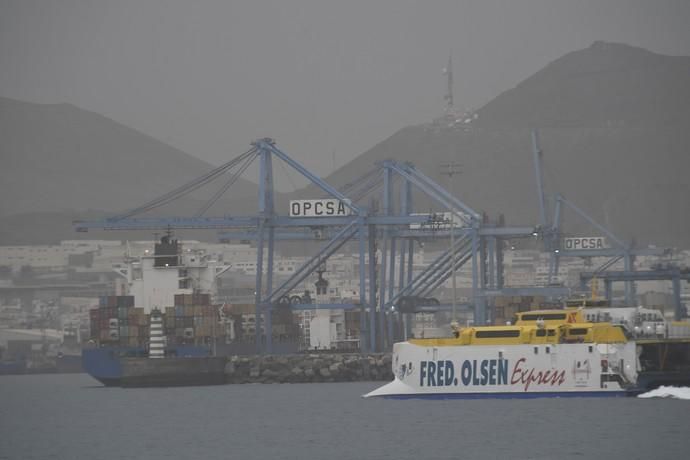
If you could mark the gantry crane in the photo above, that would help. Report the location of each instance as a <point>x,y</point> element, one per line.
<point>475,240</point>
<point>619,250</point>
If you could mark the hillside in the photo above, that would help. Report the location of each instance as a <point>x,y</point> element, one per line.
<point>614,122</point>
<point>60,162</point>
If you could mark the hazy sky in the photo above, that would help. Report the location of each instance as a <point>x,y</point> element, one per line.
<point>325,78</point>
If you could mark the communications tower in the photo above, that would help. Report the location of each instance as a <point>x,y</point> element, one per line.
<point>448,72</point>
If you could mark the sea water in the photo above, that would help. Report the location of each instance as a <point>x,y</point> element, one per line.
<point>74,417</point>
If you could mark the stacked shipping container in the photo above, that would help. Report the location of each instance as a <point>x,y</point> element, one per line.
<point>117,321</point>
<point>283,321</point>
<point>192,321</point>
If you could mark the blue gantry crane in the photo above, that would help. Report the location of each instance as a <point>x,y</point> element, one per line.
<point>385,230</point>
<point>264,224</point>
<point>616,251</point>
<point>391,229</point>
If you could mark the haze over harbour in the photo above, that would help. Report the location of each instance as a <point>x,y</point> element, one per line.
<point>321,76</point>
<point>607,91</point>
<point>611,116</point>
<point>522,110</point>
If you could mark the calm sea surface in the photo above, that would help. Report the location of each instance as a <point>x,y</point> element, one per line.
<point>73,417</point>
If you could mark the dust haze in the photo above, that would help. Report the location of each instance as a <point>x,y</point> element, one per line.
<point>327,79</point>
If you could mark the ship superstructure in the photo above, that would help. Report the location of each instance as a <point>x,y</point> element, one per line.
<point>164,333</point>
<point>156,277</point>
<point>544,353</point>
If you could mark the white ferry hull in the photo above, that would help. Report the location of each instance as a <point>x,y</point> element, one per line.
<point>510,371</point>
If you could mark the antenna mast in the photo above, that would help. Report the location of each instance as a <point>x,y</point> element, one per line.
<point>448,72</point>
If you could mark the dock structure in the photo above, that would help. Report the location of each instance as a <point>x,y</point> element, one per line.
<point>375,214</point>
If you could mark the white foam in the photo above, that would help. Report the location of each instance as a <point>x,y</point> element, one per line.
<point>668,392</point>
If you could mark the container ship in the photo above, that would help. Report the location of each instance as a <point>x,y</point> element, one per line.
<point>544,353</point>
<point>123,337</point>
<point>164,334</point>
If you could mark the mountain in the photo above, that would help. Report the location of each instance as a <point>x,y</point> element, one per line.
<point>61,162</point>
<point>614,123</point>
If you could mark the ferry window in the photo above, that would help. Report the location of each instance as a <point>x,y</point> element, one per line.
<point>546,317</point>
<point>548,350</point>
<point>578,331</point>
<point>497,334</point>
<point>546,332</point>
<point>536,350</point>
<point>591,348</point>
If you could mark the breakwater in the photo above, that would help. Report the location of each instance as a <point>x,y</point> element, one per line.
<point>303,368</point>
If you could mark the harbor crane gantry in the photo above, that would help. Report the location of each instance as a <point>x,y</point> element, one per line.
<point>551,233</point>
<point>475,241</point>
<point>393,230</point>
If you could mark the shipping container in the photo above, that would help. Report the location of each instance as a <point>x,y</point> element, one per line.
<point>202,299</point>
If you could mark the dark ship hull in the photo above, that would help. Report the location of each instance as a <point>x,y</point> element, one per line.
<point>122,367</point>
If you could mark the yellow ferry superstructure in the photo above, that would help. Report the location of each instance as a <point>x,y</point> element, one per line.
<point>535,327</point>
<point>543,353</point>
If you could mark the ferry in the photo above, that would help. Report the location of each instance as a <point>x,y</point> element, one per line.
<point>541,353</point>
